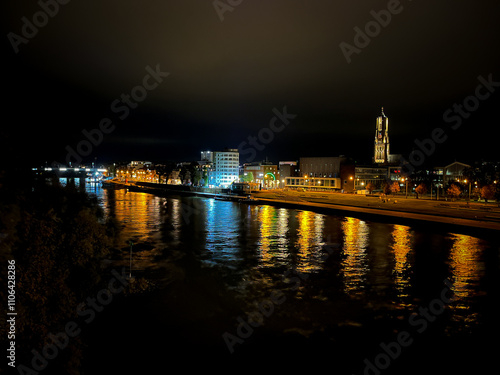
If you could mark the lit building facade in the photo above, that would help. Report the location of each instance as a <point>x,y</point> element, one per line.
<point>226,167</point>
<point>454,172</point>
<point>287,169</point>
<point>324,173</point>
<point>207,156</point>
<point>321,166</point>
<point>365,175</point>
<point>376,175</point>
<point>382,151</point>
<point>313,183</point>
<point>140,164</point>
<point>261,175</point>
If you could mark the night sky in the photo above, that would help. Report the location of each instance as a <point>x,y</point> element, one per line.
<point>226,77</point>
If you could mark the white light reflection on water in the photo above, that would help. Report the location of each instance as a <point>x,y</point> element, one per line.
<point>222,233</point>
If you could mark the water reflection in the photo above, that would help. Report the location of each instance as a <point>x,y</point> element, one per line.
<point>177,213</point>
<point>354,264</point>
<point>309,241</point>
<point>262,242</point>
<point>466,272</point>
<point>273,236</point>
<point>139,216</point>
<point>267,220</point>
<point>221,227</point>
<point>139,213</point>
<point>283,228</point>
<point>401,248</point>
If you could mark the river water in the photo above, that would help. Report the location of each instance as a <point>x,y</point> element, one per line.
<point>240,284</point>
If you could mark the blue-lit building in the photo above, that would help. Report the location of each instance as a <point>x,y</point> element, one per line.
<point>225,168</point>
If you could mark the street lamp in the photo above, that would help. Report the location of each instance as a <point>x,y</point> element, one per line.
<point>405,180</point>
<point>470,183</point>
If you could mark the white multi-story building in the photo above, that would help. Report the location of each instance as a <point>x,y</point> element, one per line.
<point>207,156</point>
<point>226,167</point>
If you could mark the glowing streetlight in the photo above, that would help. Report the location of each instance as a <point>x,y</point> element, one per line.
<point>465,182</point>
<point>405,180</point>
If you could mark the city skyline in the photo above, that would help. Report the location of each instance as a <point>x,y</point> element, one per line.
<point>222,185</point>
<point>173,88</point>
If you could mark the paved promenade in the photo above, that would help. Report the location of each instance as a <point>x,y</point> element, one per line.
<point>474,215</point>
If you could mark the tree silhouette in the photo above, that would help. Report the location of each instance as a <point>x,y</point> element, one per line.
<point>488,192</point>
<point>58,238</point>
<point>395,188</point>
<point>453,191</point>
<point>386,188</point>
<point>421,189</point>
<point>370,187</point>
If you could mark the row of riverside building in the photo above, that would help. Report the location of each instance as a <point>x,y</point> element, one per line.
<point>332,173</point>
<point>222,169</point>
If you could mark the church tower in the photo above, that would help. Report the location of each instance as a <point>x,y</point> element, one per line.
<point>381,155</point>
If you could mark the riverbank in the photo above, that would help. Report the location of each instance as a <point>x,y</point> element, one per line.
<point>476,217</point>
<point>168,189</point>
<point>453,216</point>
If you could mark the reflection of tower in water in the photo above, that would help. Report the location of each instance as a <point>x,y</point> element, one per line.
<point>354,265</point>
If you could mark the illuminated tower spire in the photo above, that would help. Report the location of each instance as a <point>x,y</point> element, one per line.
<point>381,152</point>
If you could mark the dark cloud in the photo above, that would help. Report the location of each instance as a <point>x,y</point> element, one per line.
<point>226,77</point>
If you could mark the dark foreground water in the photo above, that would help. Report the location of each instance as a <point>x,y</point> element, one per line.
<point>241,288</point>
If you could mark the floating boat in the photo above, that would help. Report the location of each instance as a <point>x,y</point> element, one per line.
<point>250,201</point>
<point>222,198</point>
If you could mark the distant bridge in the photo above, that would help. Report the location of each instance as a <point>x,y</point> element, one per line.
<point>71,172</point>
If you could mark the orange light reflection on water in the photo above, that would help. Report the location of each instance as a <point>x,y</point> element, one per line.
<point>466,270</point>
<point>401,248</point>
<point>267,219</point>
<point>354,266</point>
<point>309,240</point>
